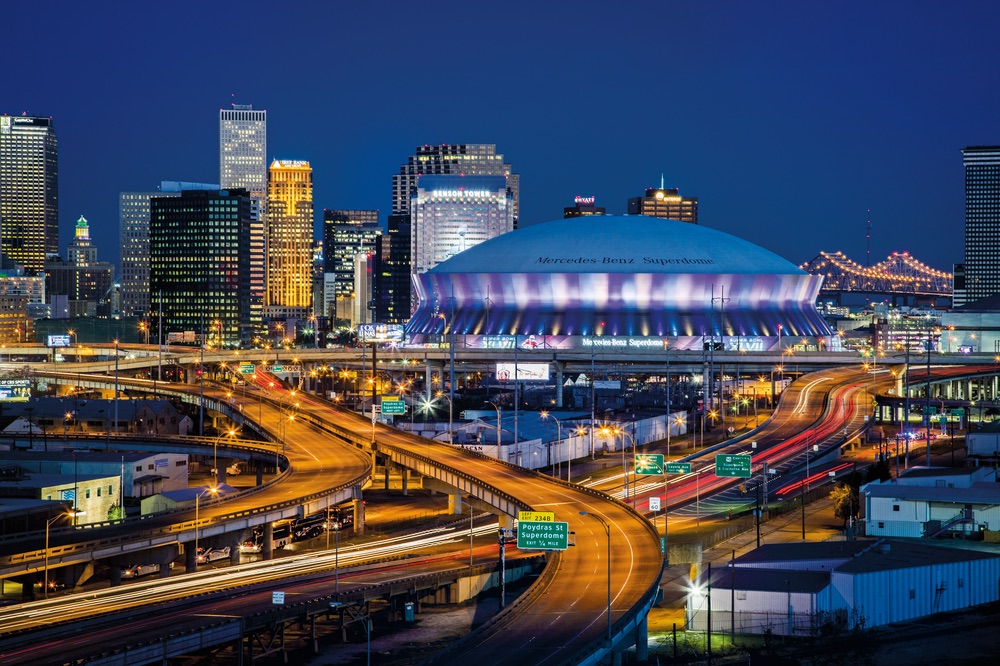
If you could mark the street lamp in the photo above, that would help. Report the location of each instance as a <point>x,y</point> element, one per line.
<point>497,407</point>
<point>620,431</point>
<point>607,531</point>
<point>441,394</point>
<point>73,513</point>
<point>546,415</point>
<point>212,490</point>
<point>215,451</point>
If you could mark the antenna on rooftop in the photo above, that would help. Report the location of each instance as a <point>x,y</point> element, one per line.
<point>868,241</point>
<point>661,181</point>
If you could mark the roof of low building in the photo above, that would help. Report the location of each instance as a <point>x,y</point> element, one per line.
<point>803,551</point>
<point>768,580</point>
<point>986,492</point>
<point>898,554</point>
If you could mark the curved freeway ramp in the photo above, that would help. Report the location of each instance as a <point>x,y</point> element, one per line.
<point>563,618</point>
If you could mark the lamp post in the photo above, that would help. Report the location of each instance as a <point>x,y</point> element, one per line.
<point>546,415</point>
<point>441,394</point>
<point>620,431</point>
<point>607,531</point>
<point>197,528</point>
<point>48,524</point>
<point>215,452</point>
<point>497,407</point>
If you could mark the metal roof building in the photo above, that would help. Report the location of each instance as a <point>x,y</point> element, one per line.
<point>794,589</point>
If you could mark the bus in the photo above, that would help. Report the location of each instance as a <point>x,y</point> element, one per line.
<point>281,536</point>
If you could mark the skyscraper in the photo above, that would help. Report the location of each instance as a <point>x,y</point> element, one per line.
<point>289,240</point>
<point>472,159</point>
<point>133,219</point>
<point>84,280</point>
<point>392,278</point>
<point>29,191</point>
<point>347,233</point>
<point>666,203</point>
<point>199,264</point>
<point>477,159</point>
<point>982,224</point>
<point>450,214</point>
<point>243,165</point>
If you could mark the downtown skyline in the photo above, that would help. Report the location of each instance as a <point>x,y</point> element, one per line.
<point>788,123</point>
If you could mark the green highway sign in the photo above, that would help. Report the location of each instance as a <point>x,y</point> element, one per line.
<point>246,368</point>
<point>393,405</point>
<point>732,465</point>
<point>678,468</point>
<point>958,412</point>
<point>648,463</point>
<point>277,368</point>
<point>537,535</point>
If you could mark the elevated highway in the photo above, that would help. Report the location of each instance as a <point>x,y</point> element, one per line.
<point>567,612</point>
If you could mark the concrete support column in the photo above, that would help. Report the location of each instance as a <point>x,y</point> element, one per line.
<point>115,575</point>
<point>405,480</point>
<point>234,548</point>
<point>560,367</point>
<point>429,379</point>
<point>385,469</point>
<point>220,471</point>
<point>267,546</point>
<point>642,640</point>
<point>28,586</point>
<point>359,517</point>
<point>616,657</point>
<point>260,475</point>
<point>506,521</point>
<point>968,389</point>
<point>455,503</point>
<point>190,557</point>
<point>164,569</point>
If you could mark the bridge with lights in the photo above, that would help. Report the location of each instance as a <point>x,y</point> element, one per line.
<point>900,276</point>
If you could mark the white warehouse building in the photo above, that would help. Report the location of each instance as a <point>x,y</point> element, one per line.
<point>794,589</point>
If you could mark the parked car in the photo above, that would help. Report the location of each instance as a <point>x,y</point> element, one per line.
<point>209,555</point>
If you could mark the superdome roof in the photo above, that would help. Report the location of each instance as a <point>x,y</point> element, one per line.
<point>617,244</point>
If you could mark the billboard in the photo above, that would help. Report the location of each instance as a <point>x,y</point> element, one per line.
<point>381,332</point>
<point>15,390</point>
<point>526,372</point>
<point>57,341</point>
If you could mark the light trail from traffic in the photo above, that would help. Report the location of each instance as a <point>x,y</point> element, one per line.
<point>88,604</point>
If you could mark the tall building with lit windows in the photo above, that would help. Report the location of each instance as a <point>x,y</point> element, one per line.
<point>29,191</point>
<point>133,221</point>
<point>453,213</point>
<point>347,233</point>
<point>666,203</point>
<point>85,281</point>
<point>243,165</point>
<point>289,240</point>
<point>982,225</point>
<point>470,159</point>
<point>199,264</point>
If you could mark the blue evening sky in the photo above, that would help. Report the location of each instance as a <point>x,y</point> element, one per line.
<point>788,120</point>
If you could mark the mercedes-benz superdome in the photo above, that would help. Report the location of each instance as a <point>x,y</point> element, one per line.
<point>620,276</point>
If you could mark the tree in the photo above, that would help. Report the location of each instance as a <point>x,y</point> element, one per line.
<point>845,501</point>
